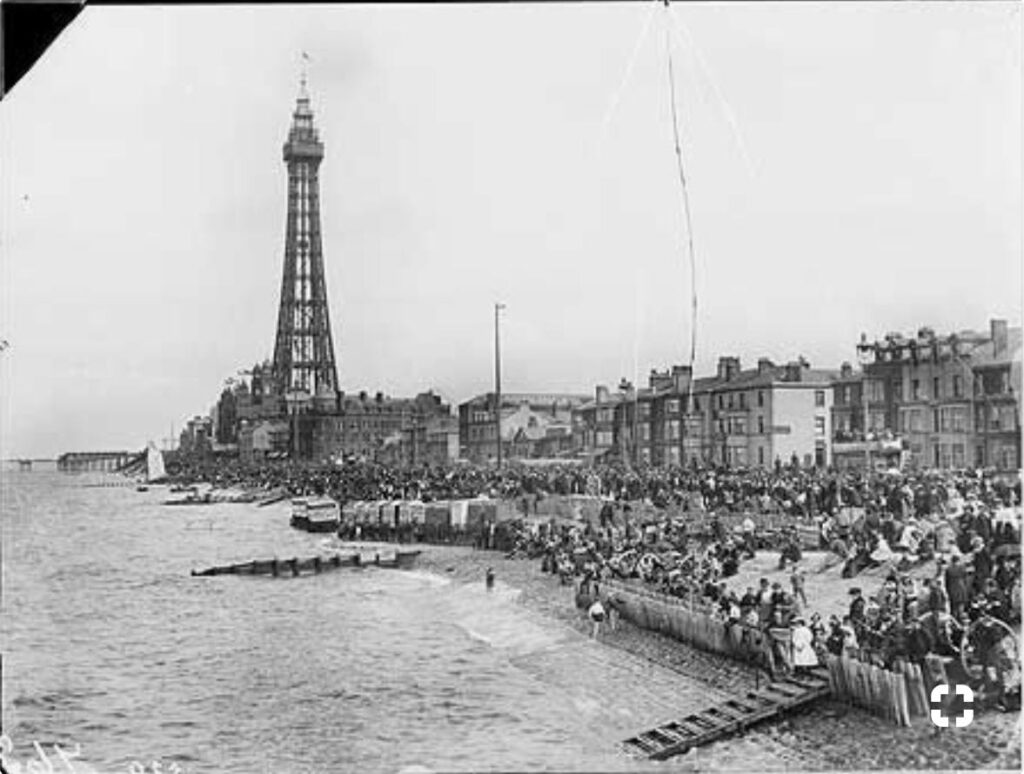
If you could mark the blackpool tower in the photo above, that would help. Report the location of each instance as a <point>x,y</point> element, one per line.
<point>304,369</point>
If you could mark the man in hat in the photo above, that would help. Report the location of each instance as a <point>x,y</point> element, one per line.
<point>956,585</point>
<point>857,607</point>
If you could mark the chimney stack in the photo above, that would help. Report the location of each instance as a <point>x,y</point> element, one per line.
<point>728,368</point>
<point>682,376</point>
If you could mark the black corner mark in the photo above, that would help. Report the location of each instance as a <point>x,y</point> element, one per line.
<point>27,28</point>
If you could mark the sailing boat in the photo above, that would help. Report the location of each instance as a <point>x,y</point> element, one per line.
<point>155,471</point>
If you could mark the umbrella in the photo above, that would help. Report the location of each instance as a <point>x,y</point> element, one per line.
<point>1007,549</point>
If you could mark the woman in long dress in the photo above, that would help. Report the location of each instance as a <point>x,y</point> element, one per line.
<point>802,639</point>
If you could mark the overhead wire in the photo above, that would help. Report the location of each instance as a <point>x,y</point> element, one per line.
<point>730,116</point>
<point>680,168</point>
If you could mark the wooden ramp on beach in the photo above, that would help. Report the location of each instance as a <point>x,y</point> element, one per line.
<point>730,716</point>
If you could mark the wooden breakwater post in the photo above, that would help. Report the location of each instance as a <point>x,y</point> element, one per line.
<point>687,622</point>
<point>898,695</point>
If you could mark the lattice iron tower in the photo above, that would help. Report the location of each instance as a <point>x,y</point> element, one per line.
<point>304,365</point>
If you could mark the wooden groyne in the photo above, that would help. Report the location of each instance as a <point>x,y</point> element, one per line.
<point>898,695</point>
<point>311,565</point>
<point>730,717</point>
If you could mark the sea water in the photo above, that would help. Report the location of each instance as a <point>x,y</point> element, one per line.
<point>111,648</point>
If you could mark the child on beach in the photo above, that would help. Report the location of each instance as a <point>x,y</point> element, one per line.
<point>597,615</point>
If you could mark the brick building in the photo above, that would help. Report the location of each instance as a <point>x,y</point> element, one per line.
<point>737,418</point>
<point>527,420</point>
<point>953,399</point>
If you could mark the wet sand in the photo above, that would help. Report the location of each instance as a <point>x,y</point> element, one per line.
<point>826,736</point>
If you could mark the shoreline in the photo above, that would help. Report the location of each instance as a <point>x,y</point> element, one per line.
<point>826,736</point>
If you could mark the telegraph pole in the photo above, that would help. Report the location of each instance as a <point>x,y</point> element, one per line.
<point>497,378</point>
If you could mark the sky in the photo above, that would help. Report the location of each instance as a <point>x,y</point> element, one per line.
<point>850,168</point>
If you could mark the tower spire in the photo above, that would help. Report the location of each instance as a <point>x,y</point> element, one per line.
<point>304,365</point>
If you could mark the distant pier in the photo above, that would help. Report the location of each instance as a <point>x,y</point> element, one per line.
<point>94,461</point>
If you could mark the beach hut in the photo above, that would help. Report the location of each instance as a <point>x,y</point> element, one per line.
<point>459,513</point>
<point>417,511</point>
<point>438,514</point>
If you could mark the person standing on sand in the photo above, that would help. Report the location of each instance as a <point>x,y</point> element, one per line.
<point>596,614</point>
<point>804,656</point>
<point>797,581</point>
<point>489,579</point>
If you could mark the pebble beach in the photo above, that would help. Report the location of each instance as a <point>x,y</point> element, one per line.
<point>826,736</point>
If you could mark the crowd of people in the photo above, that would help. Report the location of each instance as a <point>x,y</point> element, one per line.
<point>965,522</point>
<point>953,582</point>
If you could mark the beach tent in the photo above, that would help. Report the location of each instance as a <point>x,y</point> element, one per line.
<point>438,514</point>
<point>459,513</point>
<point>417,511</point>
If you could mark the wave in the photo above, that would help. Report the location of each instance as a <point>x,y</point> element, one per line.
<point>493,618</point>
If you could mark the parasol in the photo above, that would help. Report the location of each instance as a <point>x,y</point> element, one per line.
<point>1007,550</point>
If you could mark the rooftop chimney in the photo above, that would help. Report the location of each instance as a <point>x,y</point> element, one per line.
<point>601,394</point>
<point>846,370</point>
<point>728,367</point>
<point>682,376</point>
<point>764,365</point>
<point>999,337</point>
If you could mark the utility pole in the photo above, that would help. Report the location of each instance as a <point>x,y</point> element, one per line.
<point>497,378</point>
<point>867,444</point>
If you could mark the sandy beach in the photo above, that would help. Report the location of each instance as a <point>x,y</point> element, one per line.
<point>826,736</point>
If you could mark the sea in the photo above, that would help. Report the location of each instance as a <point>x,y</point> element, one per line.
<point>114,651</point>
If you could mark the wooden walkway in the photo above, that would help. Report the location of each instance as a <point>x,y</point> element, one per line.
<point>730,716</point>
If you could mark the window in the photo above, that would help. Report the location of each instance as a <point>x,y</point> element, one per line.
<point>819,398</point>
<point>673,430</point>
<point>760,455</point>
<point>739,426</point>
<point>644,411</point>
<point>958,386</point>
<point>721,401</point>
<point>743,400</point>
<point>915,389</point>
<point>673,456</point>
<point>936,394</point>
<point>958,455</point>
<point>696,404</point>
<point>672,406</point>
<point>846,394</point>
<point>819,426</point>
<point>604,438</point>
<point>730,400</point>
<point>760,425</point>
<point>958,420</point>
<point>897,390</point>
<point>645,432</point>
<point>760,398</point>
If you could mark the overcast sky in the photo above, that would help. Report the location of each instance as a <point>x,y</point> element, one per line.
<point>851,168</point>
